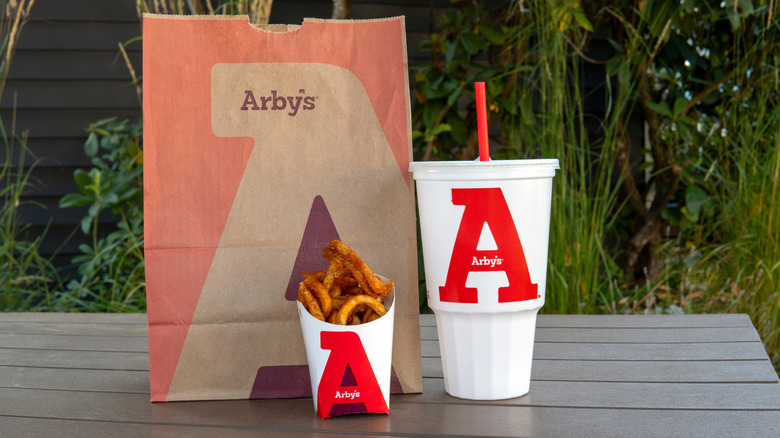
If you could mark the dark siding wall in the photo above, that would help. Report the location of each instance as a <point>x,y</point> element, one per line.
<point>68,73</point>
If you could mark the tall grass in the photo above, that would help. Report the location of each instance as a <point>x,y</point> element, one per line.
<point>585,189</point>
<point>257,10</point>
<point>27,279</point>
<point>740,264</point>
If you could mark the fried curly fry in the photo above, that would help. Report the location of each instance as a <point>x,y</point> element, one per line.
<point>347,292</point>
<point>311,304</point>
<point>323,297</point>
<point>371,284</point>
<point>346,311</point>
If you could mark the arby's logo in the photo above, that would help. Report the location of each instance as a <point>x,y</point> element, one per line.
<point>348,377</point>
<point>276,102</point>
<point>486,206</point>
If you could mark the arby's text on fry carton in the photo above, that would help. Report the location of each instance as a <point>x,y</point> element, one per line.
<point>263,144</point>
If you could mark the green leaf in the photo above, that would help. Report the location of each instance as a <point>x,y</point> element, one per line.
<point>86,224</point>
<point>493,36</point>
<point>91,145</point>
<point>94,210</point>
<point>613,65</point>
<point>455,95</point>
<point>473,43</point>
<point>459,130</point>
<point>109,199</point>
<point>74,200</point>
<point>443,127</point>
<point>679,106</point>
<point>695,199</point>
<point>451,47</point>
<point>661,108</point>
<point>82,179</point>
<point>583,21</point>
<point>430,112</point>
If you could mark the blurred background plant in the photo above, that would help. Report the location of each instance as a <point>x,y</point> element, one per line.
<point>680,218</point>
<point>27,279</point>
<point>257,10</point>
<point>111,270</point>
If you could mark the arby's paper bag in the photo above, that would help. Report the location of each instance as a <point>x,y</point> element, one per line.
<point>260,147</point>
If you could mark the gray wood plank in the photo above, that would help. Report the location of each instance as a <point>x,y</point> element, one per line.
<point>655,371</point>
<point>617,351</point>
<point>637,371</point>
<point>630,321</point>
<point>73,329</point>
<point>626,395</point>
<point>75,318</point>
<point>82,343</point>
<point>103,360</point>
<point>662,335</point>
<point>406,418</point>
<point>652,352</point>
<point>79,382</point>
<point>645,321</point>
<point>131,381</point>
<point>646,335</point>
<point>44,427</point>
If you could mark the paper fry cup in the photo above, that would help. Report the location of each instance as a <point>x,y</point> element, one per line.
<point>349,365</point>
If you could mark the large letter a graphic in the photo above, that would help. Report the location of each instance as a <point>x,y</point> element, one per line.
<point>486,205</point>
<point>346,351</point>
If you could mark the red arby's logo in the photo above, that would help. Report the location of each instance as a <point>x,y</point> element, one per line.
<point>347,379</point>
<point>275,102</point>
<point>486,206</point>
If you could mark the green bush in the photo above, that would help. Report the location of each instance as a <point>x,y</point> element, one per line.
<point>111,270</point>
<point>687,225</point>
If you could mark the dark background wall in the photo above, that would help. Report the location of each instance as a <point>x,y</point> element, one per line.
<point>68,72</point>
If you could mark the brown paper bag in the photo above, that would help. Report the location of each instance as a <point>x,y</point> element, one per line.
<point>259,148</point>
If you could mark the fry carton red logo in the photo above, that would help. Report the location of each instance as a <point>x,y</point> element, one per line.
<point>348,383</point>
<point>486,207</point>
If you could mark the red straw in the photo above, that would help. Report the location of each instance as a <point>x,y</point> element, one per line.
<point>482,129</point>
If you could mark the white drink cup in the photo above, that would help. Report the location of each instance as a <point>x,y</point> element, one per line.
<point>485,230</point>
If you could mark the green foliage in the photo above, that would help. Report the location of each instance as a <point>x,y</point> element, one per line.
<point>111,269</point>
<point>536,110</point>
<point>27,279</point>
<point>689,224</point>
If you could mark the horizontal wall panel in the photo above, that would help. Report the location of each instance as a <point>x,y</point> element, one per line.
<point>76,35</point>
<point>70,94</point>
<point>80,10</point>
<point>63,123</point>
<point>75,64</point>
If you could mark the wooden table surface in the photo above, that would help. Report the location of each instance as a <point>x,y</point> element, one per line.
<point>87,375</point>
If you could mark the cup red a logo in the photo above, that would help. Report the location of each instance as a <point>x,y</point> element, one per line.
<point>347,353</point>
<point>486,206</point>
